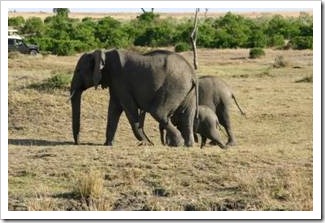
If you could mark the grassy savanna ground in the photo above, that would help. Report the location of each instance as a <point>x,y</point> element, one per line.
<point>269,169</point>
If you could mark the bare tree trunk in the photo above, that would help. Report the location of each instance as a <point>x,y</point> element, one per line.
<point>194,38</point>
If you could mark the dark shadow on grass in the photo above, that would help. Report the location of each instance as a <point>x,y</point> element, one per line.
<point>41,142</point>
<point>67,195</point>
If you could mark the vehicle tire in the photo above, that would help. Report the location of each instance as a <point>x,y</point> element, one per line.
<point>33,52</point>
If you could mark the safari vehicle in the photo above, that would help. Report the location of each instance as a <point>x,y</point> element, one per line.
<point>16,43</point>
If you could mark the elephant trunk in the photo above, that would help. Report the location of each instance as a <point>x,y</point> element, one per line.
<point>75,103</point>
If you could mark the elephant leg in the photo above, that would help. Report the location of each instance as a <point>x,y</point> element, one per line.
<point>203,141</point>
<point>186,126</point>
<point>174,136</point>
<point>162,134</point>
<point>160,110</point>
<point>224,120</point>
<point>136,122</point>
<point>196,139</point>
<point>141,126</point>
<point>113,116</point>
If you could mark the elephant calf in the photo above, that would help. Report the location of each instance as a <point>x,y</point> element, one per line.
<point>205,124</point>
<point>217,95</point>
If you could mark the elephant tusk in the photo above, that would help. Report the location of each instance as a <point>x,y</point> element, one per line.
<point>73,92</point>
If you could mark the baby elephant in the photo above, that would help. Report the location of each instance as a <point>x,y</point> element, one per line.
<point>205,125</point>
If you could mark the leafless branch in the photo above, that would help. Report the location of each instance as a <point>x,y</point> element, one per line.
<point>194,38</point>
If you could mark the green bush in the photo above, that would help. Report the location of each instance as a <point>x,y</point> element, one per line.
<point>63,48</point>
<point>181,47</point>
<point>58,81</point>
<point>17,21</point>
<point>256,53</point>
<point>62,35</point>
<point>276,41</point>
<point>302,42</point>
<point>33,26</point>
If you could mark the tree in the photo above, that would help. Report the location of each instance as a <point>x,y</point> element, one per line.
<point>63,12</point>
<point>193,38</point>
<point>17,21</point>
<point>33,26</point>
<point>232,31</point>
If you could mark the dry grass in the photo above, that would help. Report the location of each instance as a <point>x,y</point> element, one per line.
<point>270,168</point>
<point>128,16</point>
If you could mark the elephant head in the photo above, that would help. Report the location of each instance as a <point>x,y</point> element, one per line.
<point>88,73</point>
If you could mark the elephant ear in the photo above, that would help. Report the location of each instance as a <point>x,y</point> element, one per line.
<point>116,60</point>
<point>100,58</point>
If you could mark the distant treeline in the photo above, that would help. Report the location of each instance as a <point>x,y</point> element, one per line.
<point>62,35</point>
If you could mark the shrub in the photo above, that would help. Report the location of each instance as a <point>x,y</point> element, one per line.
<point>33,26</point>
<point>63,48</point>
<point>181,47</point>
<point>256,53</point>
<point>276,40</point>
<point>62,35</point>
<point>89,186</point>
<point>302,42</point>
<point>58,81</point>
<point>279,61</point>
<point>17,21</point>
<point>148,17</point>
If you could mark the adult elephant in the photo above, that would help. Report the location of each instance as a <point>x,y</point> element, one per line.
<point>215,94</point>
<point>159,83</point>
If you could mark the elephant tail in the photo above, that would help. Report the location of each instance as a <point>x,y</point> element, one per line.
<point>241,111</point>
<point>218,126</point>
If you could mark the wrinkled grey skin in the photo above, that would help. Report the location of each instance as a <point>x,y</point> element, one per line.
<point>157,83</point>
<point>205,125</point>
<point>217,95</point>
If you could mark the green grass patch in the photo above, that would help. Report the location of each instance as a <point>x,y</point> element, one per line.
<point>58,81</point>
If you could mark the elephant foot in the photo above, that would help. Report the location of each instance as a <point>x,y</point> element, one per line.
<point>107,143</point>
<point>145,143</point>
<point>231,143</point>
<point>189,144</point>
<point>221,145</point>
<point>176,142</point>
